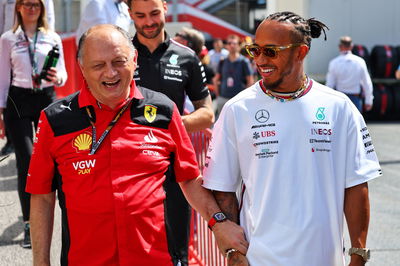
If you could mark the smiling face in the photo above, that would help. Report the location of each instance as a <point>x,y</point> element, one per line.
<point>284,72</point>
<point>29,10</point>
<point>108,64</point>
<point>148,17</point>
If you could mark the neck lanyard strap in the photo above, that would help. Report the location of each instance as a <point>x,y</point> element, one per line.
<point>96,144</point>
<point>32,51</point>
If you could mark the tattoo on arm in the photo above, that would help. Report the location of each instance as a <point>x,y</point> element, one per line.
<point>228,203</point>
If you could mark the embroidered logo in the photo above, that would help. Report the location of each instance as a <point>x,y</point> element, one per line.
<point>150,113</point>
<point>150,137</point>
<point>82,142</point>
<point>174,59</point>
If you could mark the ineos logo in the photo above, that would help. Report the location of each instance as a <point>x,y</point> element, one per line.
<point>262,116</point>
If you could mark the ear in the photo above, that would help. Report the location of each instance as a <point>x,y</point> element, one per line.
<point>303,51</point>
<point>165,7</point>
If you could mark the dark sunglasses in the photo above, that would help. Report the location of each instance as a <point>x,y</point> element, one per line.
<point>271,51</point>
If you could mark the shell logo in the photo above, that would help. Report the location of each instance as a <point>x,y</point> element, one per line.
<point>82,142</point>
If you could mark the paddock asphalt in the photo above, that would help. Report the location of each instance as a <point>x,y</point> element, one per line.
<point>384,230</point>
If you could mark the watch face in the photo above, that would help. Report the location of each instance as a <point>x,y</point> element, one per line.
<point>219,217</point>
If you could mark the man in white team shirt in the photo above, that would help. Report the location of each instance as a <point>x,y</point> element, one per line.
<point>348,73</point>
<point>300,154</point>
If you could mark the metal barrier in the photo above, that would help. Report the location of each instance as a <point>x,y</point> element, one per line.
<point>203,250</point>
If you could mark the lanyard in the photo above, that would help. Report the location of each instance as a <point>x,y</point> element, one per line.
<point>33,60</point>
<point>96,144</point>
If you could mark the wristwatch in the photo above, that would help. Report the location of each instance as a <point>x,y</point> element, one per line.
<point>218,217</point>
<point>363,252</point>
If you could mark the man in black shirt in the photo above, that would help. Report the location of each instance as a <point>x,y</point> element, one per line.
<point>175,70</point>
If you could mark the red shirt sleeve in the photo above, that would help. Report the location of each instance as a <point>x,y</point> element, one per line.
<point>185,164</point>
<point>41,168</point>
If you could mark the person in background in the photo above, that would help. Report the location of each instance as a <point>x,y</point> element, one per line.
<point>194,39</point>
<point>7,19</point>
<point>7,15</point>
<point>167,66</point>
<point>98,12</point>
<point>23,50</point>
<point>234,73</point>
<point>299,153</point>
<point>111,189</point>
<point>348,73</point>
<point>217,54</point>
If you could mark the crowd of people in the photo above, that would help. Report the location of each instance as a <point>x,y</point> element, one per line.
<point>289,158</point>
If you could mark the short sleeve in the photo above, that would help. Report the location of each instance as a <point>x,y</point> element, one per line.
<point>185,164</point>
<point>222,171</point>
<point>197,88</point>
<point>42,165</point>
<point>362,162</point>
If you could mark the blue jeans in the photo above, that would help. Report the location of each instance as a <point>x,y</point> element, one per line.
<point>357,101</point>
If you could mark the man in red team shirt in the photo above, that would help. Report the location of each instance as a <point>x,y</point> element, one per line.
<point>109,146</point>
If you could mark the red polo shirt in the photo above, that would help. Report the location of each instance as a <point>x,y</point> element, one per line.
<point>114,198</point>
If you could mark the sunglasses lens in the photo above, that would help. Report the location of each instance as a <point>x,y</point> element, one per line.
<point>269,52</point>
<point>254,51</point>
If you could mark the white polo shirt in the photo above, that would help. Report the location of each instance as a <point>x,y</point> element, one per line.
<point>348,73</point>
<point>296,159</point>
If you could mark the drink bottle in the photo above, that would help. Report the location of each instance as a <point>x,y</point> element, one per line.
<point>50,61</point>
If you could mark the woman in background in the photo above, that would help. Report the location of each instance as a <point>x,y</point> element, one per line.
<point>23,93</point>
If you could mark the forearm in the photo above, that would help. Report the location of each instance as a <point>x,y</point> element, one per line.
<point>356,209</point>
<point>201,118</point>
<point>227,234</point>
<point>41,222</point>
<point>228,204</point>
<point>199,198</point>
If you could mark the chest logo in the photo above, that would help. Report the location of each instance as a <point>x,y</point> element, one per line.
<point>150,113</point>
<point>320,113</point>
<point>262,116</point>
<point>173,59</point>
<point>82,142</point>
<point>150,137</point>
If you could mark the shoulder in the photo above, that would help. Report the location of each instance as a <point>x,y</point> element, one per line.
<point>65,116</point>
<point>245,96</point>
<point>154,109</point>
<point>327,92</point>
<point>8,35</point>
<point>180,49</point>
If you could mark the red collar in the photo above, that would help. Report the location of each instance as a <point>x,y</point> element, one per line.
<point>86,98</point>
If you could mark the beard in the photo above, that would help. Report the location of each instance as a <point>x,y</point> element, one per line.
<point>154,34</point>
<point>287,70</point>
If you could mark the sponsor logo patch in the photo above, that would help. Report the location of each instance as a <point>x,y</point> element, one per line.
<point>84,167</point>
<point>150,112</point>
<point>82,142</point>
<point>262,116</point>
<point>320,114</point>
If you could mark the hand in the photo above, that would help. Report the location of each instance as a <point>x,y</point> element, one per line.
<point>367,107</point>
<point>52,75</point>
<point>238,259</point>
<point>230,235</point>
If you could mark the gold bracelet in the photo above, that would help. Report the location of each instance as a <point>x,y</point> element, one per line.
<point>229,252</point>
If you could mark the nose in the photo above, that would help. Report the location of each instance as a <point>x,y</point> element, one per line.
<point>110,71</point>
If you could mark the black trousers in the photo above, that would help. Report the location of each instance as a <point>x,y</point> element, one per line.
<point>177,220</point>
<point>21,114</point>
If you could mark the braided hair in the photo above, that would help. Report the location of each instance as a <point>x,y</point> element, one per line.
<point>304,29</point>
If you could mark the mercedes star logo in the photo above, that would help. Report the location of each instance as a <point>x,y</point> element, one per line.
<point>262,116</point>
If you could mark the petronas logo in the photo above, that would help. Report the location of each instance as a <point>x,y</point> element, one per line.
<point>320,113</point>
<point>82,142</point>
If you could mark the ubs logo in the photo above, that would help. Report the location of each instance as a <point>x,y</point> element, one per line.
<point>262,116</point>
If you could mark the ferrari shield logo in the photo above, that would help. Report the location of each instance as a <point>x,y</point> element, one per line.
<point>150,113</point>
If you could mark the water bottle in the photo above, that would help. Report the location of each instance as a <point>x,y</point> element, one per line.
<point>50,61</point>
